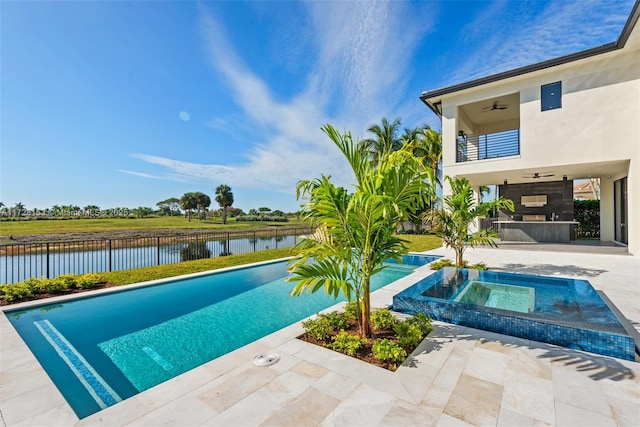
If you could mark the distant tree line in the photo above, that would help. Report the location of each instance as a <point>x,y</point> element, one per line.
<point>263,214</point>
<point>191,205</point>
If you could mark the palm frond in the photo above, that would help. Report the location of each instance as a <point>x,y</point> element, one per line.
<point>325,274</point>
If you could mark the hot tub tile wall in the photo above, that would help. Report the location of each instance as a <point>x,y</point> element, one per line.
<point>608,344</point>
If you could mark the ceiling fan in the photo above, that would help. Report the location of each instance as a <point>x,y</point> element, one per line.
<point>537,175</point>
<point>495,106</point>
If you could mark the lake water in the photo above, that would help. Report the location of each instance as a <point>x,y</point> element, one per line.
<point>18,268</point>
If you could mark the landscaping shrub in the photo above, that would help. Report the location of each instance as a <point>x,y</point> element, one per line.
<point>60,283</point>
<point>37,286</point>
<point>444,262</point>
<point>319,328</point>
<point>478,266</point>
<point>337,320</point>
<point>88,281</point>
<point>16,291</point>
<point>409,335</point>
<point>393,339</point>
<point>350,310</point>
<point>386,350</point>
<point>323,325</point>
<point>347,343</point>
<point>383,318</point>
<point>422,321</point>
<point>441,263</point>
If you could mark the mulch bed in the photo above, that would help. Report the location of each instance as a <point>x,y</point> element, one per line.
<point>364,353</point>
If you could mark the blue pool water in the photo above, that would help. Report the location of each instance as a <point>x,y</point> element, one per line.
<point>560,311</point>
<point>100,350</point>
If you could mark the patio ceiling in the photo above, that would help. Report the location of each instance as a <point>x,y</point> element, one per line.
<point>572,172</point>
<point>481,113</point>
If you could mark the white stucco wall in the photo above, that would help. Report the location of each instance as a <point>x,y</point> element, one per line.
<point>597,127</point>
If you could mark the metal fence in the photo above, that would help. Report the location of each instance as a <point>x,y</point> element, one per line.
<point>489,146</point>
<point>19,262</point>
<point>489,223</point>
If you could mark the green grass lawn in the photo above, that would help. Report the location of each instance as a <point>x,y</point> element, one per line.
<point>144,274</point>
<point>422,242</point>
<point>86,225</point>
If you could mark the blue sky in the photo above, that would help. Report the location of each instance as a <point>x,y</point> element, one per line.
<point>124,104</point>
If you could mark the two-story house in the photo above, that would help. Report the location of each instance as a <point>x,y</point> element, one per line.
<point>532,131</point>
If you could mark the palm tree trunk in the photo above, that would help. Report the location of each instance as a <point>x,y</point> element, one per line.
<point>224,214</point>
<point>365,324</point>
<point>459,252</point>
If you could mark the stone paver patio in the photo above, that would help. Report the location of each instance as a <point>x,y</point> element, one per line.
<point>457,377</point>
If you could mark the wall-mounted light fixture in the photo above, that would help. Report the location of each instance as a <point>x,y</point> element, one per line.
<point>462,135</point>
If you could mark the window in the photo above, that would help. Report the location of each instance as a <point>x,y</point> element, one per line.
<point>551,96</point>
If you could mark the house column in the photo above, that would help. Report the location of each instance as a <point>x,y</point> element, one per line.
<point>606,209</point>
<point>633,209</point>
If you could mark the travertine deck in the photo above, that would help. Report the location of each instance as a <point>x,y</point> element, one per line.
<point>458,376</point>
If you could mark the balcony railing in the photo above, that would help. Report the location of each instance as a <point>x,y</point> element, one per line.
<point>489,146</point>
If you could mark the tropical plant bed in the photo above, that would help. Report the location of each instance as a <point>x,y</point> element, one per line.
<point>391,343</point>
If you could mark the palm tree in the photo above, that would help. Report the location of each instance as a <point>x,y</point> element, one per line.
<point>428,147</point>
<point>483,189</point>
<point>386,139</point>
<point>224,197</point>
<point>202,204</point>
<point>189,202</point>
<point>18,209</point>
<point>355,232</point>
<point>460,210</point>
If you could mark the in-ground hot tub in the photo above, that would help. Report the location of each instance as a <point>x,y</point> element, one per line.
<point>565,312</point>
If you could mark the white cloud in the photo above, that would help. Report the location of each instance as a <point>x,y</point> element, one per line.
<point>562,28</point>
<point>361,55</point>
<point>140,174</point>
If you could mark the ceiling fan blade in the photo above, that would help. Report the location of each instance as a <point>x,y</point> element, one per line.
<point>537,175</point>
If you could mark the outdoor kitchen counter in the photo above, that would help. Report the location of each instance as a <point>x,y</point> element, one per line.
<point>536,231</point>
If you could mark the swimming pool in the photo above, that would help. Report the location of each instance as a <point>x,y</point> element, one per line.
<point>565,312</point>
<point>102,349</point>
